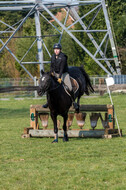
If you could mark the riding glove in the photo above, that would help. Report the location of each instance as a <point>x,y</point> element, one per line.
<point>59,80</point>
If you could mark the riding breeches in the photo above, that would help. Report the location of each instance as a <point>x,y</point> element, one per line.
<point>66,79</point>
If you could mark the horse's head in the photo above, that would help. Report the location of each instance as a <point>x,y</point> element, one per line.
<point>44,83</point>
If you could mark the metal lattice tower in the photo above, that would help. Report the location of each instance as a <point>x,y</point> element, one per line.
<point>37,7</point>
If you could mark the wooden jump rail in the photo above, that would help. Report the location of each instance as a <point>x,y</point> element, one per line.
<point>18,88</point>
<point>108,123</point>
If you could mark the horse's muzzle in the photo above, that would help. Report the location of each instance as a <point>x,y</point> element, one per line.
<point>40,92</point>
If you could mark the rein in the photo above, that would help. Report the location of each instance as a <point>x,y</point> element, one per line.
<point>54,88</point>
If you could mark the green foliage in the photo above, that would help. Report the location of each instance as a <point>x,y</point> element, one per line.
<point>2,74</point>
<point>117,12</point>
<point>23,44</point>
<point>76,55</point>
<point>121,30</point>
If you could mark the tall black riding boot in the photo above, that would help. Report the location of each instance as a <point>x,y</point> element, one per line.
<point>45,105</point>
<point>73,100</point>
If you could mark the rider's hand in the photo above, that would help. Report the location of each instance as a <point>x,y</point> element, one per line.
<point>52,73</point>
<point>59,80</point>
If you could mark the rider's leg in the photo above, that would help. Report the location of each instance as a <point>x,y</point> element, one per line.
<point>67,81</point>
<point>45,105</point>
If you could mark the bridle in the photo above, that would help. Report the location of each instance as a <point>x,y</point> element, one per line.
<point>50,90</point>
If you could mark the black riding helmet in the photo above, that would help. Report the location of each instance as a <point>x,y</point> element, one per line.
<point>57,46</point>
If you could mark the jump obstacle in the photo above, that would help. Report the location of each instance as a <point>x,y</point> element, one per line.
<point>95,112</point>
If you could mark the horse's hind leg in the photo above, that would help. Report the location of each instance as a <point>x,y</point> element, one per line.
<point>65,138</point>
<point>54,118</point>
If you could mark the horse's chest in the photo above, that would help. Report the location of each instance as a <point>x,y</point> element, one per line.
<point>58,103</point>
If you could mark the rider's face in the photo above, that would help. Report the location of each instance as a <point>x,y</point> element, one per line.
<point>57,51</point>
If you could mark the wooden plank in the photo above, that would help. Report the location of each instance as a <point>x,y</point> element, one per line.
<point>18,88</point>
<point>111,116</point>
<point>26,130</point>
<point>112,131</point>
<point>71,133</point>
<point>93,107</point>
<point>39,108</point>
<point>83,108</point>
<point>33,118</point>
<point>32,88</point>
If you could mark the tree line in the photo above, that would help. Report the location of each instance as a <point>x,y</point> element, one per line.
<point>9,67</point>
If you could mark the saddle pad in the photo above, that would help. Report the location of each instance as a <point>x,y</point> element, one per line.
<point>75,84</point>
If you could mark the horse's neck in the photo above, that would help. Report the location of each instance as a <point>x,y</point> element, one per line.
<point>53,84</point>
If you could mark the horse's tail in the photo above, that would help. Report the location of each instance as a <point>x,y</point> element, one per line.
<point>89,87</point>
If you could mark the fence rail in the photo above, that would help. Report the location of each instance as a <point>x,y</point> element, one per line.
<point>8,85</point>
<point>26,86</point>
<point>118,79</point>
<point>5,82</point>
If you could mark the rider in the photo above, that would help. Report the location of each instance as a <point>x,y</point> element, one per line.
<point>59,68</point>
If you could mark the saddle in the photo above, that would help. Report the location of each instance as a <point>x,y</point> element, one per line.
<point>75,86</point>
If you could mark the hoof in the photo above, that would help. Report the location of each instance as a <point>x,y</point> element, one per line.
<point>55,141</point>
<point>65,139</point>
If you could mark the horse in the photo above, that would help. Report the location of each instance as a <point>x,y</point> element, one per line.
<point>58,100</point>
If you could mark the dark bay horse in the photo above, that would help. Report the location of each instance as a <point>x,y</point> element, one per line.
<point>58,100</point>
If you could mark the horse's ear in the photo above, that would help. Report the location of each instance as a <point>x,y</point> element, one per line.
<point>42,72</point>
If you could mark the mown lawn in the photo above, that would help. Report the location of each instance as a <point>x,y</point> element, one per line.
<point>36,164</point>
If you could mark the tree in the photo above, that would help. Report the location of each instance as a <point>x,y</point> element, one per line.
<point>76,55</point>
<point>117,14</point>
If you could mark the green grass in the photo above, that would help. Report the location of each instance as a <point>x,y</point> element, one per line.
<point>36,164</point>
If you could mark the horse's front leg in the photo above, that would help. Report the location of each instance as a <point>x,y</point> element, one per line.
<point>54,118</point>
<point>78,104</point>
<point>65,138</point>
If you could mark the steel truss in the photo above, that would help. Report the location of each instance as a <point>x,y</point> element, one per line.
<point>37,7</point>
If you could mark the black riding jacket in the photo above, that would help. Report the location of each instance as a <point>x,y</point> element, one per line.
<point>59,65</point>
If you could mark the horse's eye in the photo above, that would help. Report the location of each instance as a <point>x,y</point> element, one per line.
<point>43,78</point>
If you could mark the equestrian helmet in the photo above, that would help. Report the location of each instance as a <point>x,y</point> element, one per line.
<point>57,46</point>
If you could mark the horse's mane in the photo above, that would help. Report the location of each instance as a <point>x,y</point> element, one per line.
<point>54,78</point>
<point>55,83</point>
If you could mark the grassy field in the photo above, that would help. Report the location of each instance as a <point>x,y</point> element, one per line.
<point>36,164</point>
